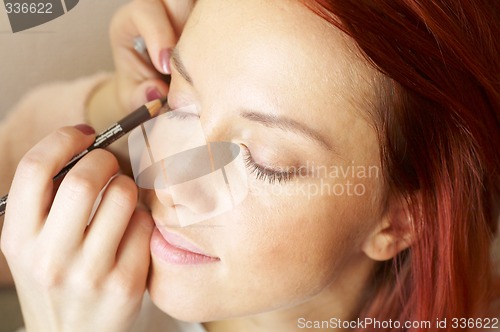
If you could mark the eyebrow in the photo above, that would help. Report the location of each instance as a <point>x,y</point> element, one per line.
<point>179,65</point>
<point>267,120</point>
<point>287,124</point>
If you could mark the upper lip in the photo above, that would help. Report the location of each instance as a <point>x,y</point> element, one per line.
<point>180,241</point>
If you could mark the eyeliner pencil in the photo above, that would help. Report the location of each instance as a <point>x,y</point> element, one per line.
<point>117,130</point>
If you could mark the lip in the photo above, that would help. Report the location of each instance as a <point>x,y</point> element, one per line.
<point>174,248</point>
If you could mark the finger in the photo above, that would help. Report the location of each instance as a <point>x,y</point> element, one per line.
<point>74,201</point>
<point>178,13</point>
<point>105,233</point>
<point>31,191</point>
<point>150,20</point>
<point>133,256</point>
<point>148,91</point>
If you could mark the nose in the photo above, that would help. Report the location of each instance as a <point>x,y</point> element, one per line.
<point>202,183</point>
<point>196,179</point>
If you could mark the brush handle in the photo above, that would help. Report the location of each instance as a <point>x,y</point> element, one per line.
<point>3,205</point>
<point>102,140</point>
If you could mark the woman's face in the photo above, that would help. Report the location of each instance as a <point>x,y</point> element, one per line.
<point>276,79</point>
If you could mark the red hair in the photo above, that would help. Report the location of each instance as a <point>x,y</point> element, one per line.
<point>439,131</point>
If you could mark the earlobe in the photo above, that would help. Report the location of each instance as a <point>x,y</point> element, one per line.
<point>393,234</point>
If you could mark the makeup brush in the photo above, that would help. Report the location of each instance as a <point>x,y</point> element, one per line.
<point>114,132</point>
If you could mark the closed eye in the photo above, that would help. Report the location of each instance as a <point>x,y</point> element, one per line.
<point>181,115</point>
<point>269,174</point>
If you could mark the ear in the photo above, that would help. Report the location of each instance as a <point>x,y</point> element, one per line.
<point>393,234</point>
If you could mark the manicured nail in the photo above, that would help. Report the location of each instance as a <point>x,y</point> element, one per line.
<point>165,60</point>
<point>85,129</point>
<point>153,94</point>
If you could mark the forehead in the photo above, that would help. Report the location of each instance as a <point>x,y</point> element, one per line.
<point>276,55</point>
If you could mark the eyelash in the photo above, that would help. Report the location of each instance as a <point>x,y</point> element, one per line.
<point>180,115</point>
<point>265,173</point>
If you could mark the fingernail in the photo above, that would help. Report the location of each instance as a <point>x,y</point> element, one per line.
<point>85,129</point>
<point>153,94</point>
<point>165,60</point>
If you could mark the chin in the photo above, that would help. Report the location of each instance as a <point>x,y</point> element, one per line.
<point>179,305</point>
<point>183,298</point>
<point>189,308</point>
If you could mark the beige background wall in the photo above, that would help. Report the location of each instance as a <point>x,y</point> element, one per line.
<point>73,45</point>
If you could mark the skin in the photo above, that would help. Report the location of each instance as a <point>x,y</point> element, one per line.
<point>309,255</point>
<point>283,253</point>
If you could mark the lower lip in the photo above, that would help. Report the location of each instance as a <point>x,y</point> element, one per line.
<point>170,254</point>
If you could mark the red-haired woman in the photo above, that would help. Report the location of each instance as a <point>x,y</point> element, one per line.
<point>371,134</point>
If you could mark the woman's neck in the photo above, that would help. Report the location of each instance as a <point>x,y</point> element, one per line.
<point>341,300</point>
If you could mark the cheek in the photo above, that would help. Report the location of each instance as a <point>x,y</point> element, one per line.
<point>296,248</point>
<point>288,260</point>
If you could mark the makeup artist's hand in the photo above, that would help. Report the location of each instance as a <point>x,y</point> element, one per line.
<point>70,276</point>
<point>137,80</point>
